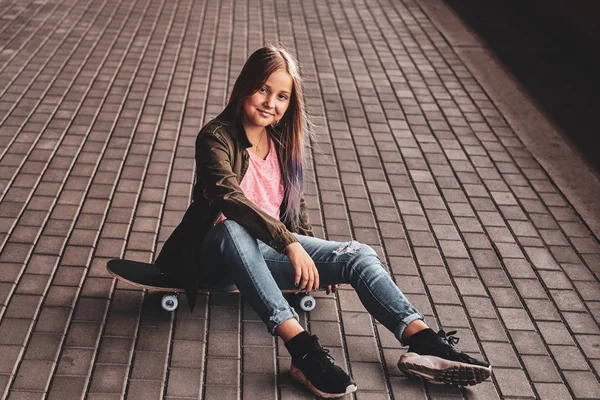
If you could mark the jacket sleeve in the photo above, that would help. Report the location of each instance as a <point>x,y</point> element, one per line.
<point>213,165</point>
<point>305,227</point>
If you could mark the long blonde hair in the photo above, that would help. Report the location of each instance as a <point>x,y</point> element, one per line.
<point>294,130</point>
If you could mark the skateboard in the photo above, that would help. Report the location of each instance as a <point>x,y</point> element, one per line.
<point>148,276</point>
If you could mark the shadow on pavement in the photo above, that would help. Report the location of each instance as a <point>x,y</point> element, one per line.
<point>553,57</point>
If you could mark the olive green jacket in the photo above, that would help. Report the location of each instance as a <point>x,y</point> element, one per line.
<point>221,162</point>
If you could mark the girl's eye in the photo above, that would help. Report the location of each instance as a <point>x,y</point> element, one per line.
<point>283,97</point>
<point>263,90</point>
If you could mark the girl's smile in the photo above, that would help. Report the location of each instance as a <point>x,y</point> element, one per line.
<point>264,113</point>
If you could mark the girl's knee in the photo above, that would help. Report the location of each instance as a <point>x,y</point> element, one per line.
<point>358,255</point>
<point>354,250</point>
<point>226,234</point>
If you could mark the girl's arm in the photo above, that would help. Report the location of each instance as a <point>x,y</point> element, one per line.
<point>213,165</point>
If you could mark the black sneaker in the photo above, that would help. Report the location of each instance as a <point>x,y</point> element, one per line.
<point>437,359</point>
<point>314,368</point>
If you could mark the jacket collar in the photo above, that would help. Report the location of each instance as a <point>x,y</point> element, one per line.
<point>240,135</point>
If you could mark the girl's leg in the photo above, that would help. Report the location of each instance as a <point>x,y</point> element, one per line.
<point>231,254</point>
<point>356,264</point>
<point>430,355</point>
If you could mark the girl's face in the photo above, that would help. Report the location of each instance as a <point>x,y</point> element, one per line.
<point>268,104</point>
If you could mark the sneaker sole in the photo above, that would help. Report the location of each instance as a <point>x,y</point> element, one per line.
<point>299,376</point>
<point>442,370</point>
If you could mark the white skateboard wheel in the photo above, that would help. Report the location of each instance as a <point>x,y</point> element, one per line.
<point>307,303</point>
<point>169,302</point>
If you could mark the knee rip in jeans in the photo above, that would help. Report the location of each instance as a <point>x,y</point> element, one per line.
<point>348,248</point>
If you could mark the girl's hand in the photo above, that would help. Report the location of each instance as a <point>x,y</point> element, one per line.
<point>307,276</point>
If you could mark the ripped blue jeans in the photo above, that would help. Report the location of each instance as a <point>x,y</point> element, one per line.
<point>233,256</point>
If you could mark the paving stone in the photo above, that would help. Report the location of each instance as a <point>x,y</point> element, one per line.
<point>153,339</point>
<point>505,297</point>
<point>8,362</point>
<point>569,358</point>
<point>29,395</point>
<point>184,382</point>
<point>355,323</point>
<point>528,342</point>
<point>484,390</point>
<point>43,346</point>
<point>260,386</point>
<point>461,267</point>
<point>368,375</point>
<point>223,344</point>
<point>581,323</point>
<point>442,294</point>
<point>142,390</point>
<point>500,354</point>
<point>151,365</point>
<point>489,329</point>
<point>436,276</point>
<point>555,333</point>
<point>349,301</point>
<point>541,258</point>
<point>541,369</point>
<point>31,284</point>
<point>13,331</point>
<point>542,310</point>
<point>224,319</point>
<point>229,392</point>
<point>589,291</point>
<point>23,306</point>
<point>470,286</point>
<point>259,360</point>
<point>327,332</point>
<point>519,268</point>
<point>75,361</point>
<point>33,375</point>
<point>222,371</point>
<point>555,280</point>
<point>362,348</point>
<point>410,284</point>
<point>67,387</point>
<point>552,391</point>
<point>479,307</point>
<point>485,259</point>
<point>567,300</point>
<point>513,382</point>
<point>326,311</point>
<point>452,316</point>
<point>583,384</point>
<point>531,290</point>
<point>516,319</point>
<point>121,324</point>
<point>372,395</point>
<point>495,278</point>
<point>589,344</point>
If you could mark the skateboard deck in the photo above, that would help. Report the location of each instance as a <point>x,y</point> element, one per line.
<point>148,276</point>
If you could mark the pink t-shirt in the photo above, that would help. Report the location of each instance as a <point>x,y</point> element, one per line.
<point>262,183</point>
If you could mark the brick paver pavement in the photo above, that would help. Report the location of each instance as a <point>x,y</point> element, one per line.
<point>100,104</point>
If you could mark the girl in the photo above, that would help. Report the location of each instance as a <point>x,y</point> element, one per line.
<point>248,225</point>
